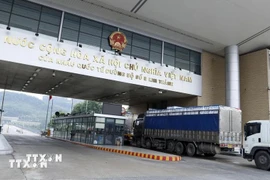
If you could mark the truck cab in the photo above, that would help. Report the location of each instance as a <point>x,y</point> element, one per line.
<point>256,144</point>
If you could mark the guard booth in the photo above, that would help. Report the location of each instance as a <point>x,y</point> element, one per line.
<point>98,129</point>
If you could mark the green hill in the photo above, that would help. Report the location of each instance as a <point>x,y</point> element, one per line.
<point>29,108</point>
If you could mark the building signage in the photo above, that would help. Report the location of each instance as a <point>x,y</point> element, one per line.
<point>118,41</point>
<point>41,52</point>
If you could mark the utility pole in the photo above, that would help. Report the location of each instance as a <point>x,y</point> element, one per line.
<point>1,110</point>
<point>46,120</point>
<point>51,110</point>
<point>86,106</point>
<point>71,105</point>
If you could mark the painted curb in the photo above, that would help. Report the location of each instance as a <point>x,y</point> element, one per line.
<point>129,153</point>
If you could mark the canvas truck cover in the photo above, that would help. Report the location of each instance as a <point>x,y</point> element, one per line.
<point>200,124</point>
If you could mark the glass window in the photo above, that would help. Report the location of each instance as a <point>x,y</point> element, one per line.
<point>141,41</point>
<point>108,30</point>
<point>48,29</point>
<point>169,49</point>
<point>127,50</point>
<point>100,125</point>
<point>5,8</point>
<point>120,121</point>
<point>127,33</point>
<point>91,27</point>
<point>23,23</point>
<point>140,52</point>
<point>105,44</point>
<point>155,57</point>
<point>195,68</point>
<point>5,5</point>
<point>182,64</point>
<point>89,39</point>
<point>252,128</point>
<point>69,34</point>
<point>26,9</point>
<point>195,57</point>
<point>182,53</point>
<point>4,17</point>
<point>51,16</point>
<point>71,22</point>
<point>169,60</point>
<point>156,45</point>
<point>100,119</point>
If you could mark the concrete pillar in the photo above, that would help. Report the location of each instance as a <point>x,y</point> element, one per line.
<point>232,76</point>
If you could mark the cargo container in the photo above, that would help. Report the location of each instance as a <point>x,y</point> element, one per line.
<point>192,130</point>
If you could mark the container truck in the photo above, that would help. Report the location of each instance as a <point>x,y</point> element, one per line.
<point>256,144</point>
<point>192,130</point>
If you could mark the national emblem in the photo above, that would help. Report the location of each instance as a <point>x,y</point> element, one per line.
<point>118,40</point>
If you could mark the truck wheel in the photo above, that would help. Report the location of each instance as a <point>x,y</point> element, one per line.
<point>191,149</point>
<point>179,148</point>
<point>170,146</point>
<point>262,160</point>
<point>148,144</point>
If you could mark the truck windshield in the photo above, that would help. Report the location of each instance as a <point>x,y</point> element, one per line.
<point>252,128</point>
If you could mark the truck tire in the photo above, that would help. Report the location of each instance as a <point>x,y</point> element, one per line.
<point>262,160</point>
<point>170,146</point>
<point>148,143</point>
<point>179,148</point>
<point>191,149</point>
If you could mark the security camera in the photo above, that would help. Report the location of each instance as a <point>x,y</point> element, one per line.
<point>53,74</point>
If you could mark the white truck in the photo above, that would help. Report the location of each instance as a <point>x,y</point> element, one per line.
<point>256,144</point>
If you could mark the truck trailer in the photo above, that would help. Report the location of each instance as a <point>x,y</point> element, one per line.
<point>192,130</point>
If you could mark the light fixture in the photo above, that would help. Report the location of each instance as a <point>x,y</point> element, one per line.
<point>31,78</point>
<point>23,89</point>
<point>124,92</point>
<point>160,92</point>
<point>26,84</point>
<point>57,86</point>
<point>49,90</point>
<point>61,82</point>
<point>117,95</point>
<point>35,74</point>
<point>52,88</point>
<point>46,92</point>
<point>38,70</point>
<point>28,81</point>
<point>66,80</point>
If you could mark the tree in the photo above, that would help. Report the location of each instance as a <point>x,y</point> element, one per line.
<point>87,107</point>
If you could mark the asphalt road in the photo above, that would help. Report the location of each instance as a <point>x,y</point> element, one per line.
<point>80,162</point>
